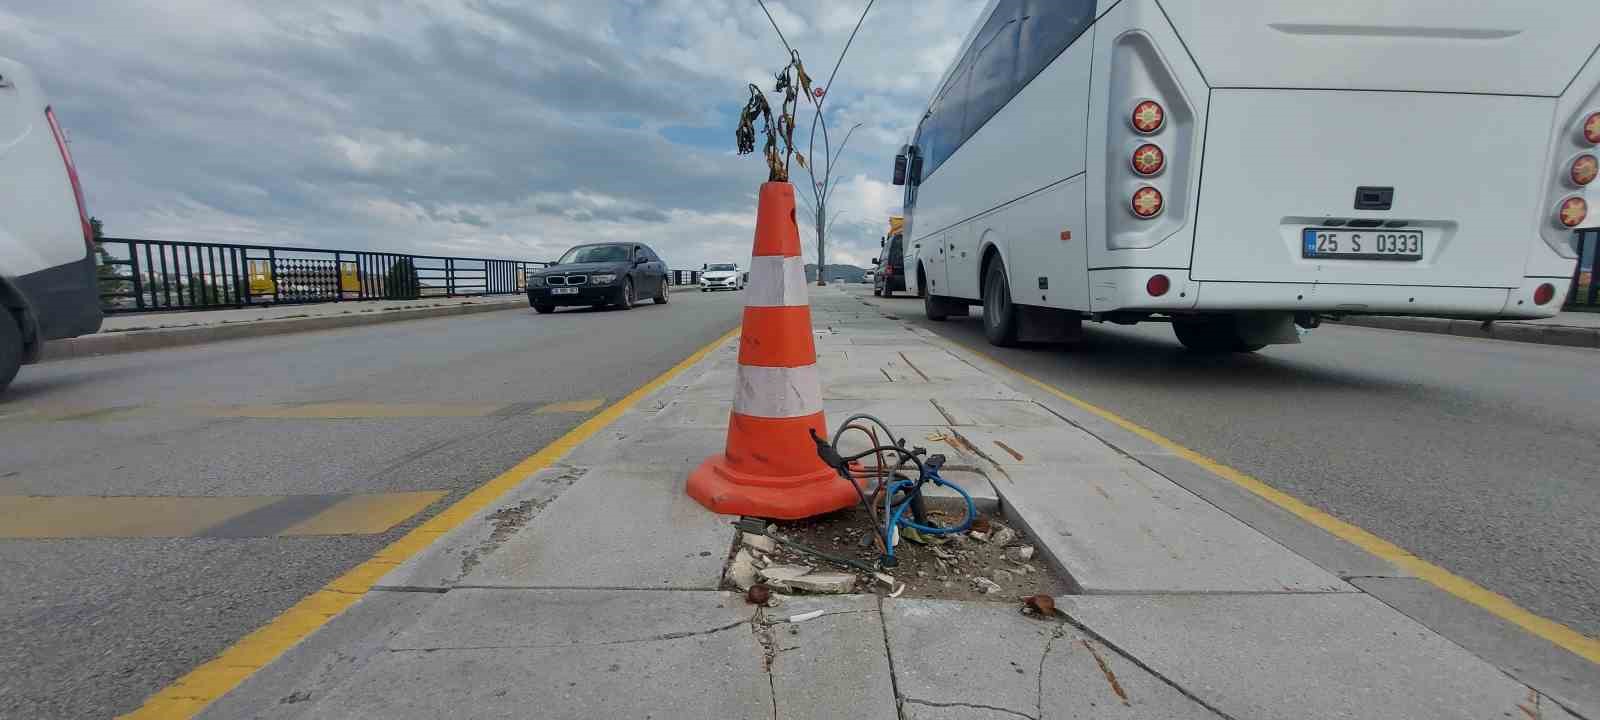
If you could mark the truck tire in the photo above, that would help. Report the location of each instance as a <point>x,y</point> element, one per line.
<point>939,307</point>
<point>10,348</point>
<point>999,313</point>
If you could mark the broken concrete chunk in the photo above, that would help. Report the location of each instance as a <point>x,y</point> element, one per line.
<point>986,585</point>
<point>1021,553</point>
<point>742,571</point>
<point>1003,536</point>
<point>758,542</point>
<point>1001,575</point>
<point>781,576</point>
<point>826,582</point>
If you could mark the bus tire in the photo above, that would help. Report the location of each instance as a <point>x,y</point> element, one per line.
<point>999,313</point>
<point>10,348</point>
<point>1212,335</point>
<point>922,282</point>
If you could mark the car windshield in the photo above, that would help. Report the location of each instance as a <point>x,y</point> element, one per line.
<point>595,254</point>
<point>722,266</point>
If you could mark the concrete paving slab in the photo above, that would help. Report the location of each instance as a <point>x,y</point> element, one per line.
<point>977,485</point>
<point>939,365</point>
<point>1566,678</point>
<point>673,451</point>
<point>1007,413</point>
<point>833,666</point>
<point>1118,527</point>
<point>290,687</point>
<point>1013,447</point>
<point>696,413</point>
<point>979,389</point>
<point>1341,655</point>
<point>907,411</point>
<point>567,654</point>
<point>617,527</point>
<point>981,660</point>
<point>447,560</point>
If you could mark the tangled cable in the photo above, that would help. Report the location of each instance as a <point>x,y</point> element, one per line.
<point>891,483</point>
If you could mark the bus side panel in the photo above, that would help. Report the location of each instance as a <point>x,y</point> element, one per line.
<point>1033,142</point>
<point>1049,264</point>
<point>1110,181</point>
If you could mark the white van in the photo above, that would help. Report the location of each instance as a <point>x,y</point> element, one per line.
<point>1236,166</point>
<point>47,265</point>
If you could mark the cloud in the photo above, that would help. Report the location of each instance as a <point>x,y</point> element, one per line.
<point>488,127</point>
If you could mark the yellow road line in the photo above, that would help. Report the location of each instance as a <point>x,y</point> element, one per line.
<point>572,406</point>
<point>365,514</point>
<point>190,694</point>
<point>1501,606</point>
<point>32,517</point>
<point>354,410</point>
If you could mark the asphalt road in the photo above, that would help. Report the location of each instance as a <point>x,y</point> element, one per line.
<point>318,432</point>
<point>1481,456</point>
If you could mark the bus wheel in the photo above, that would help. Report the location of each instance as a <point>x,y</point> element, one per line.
<point>999,314</point>
<point>10,348</point>
<point>1212,334</point>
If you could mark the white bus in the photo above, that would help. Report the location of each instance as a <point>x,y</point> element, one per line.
<point>1239,166</point>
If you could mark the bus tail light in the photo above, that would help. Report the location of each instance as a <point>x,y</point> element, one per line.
<point>1147,202</point>
<point>1148,117</point>
<point>1543,294</point>
<point>1149,160</point>
<point>1591,128</point>
<point>1584,169</point>
<point>1158,285</point>
<point>72,175</point>
<point>1572,212</point>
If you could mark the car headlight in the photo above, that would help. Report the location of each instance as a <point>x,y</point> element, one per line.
<point>603,278</point>
<point>535,281</point>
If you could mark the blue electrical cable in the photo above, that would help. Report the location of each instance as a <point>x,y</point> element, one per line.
<point>895,513</point>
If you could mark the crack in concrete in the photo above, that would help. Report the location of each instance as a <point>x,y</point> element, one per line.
<point>949,418</point>
<point>1105,669</point>
<point>1058,633</point>
<point>974,706</point>
<point>1097,637</point>
<point>914,367</point>
<point>549,646</point>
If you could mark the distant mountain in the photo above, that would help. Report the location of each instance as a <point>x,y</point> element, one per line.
<point>848,273</point>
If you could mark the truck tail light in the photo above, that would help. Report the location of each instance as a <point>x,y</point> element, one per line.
<point>1591,128</point>
<point>72,175</point>
<point>1157,285</point>
<point>1543,294</point>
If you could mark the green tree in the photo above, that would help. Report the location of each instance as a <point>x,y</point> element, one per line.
<point>401,281</point>
<point>112,279</point>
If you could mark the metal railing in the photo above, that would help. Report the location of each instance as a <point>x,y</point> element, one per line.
<point>1585,291</point>
<point>137,275</point>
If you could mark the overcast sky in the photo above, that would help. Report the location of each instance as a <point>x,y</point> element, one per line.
<point>466,127</point>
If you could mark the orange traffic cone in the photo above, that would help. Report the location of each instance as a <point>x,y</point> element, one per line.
<point>770,468</point>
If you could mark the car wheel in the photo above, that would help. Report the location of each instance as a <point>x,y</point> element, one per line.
<point>999,314</point>
<point>661,294</point>
<point>10,348</point>
<point>627,295</point>
<point>544,309</point>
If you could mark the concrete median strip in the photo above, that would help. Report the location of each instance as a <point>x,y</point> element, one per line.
<point>585,583</point>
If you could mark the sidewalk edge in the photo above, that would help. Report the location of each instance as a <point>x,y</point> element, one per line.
<point>1509,331</point>
<point>162,338</point>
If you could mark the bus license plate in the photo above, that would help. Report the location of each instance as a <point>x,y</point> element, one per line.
<point>1362,244</point>
<point>563,291</point>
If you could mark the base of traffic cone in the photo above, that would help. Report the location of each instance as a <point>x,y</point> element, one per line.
<point>725,490</point>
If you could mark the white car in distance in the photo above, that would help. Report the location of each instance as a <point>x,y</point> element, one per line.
<point>721,276</point>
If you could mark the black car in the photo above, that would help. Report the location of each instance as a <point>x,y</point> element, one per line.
<point>891,273</point>
<point>599,275</point>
